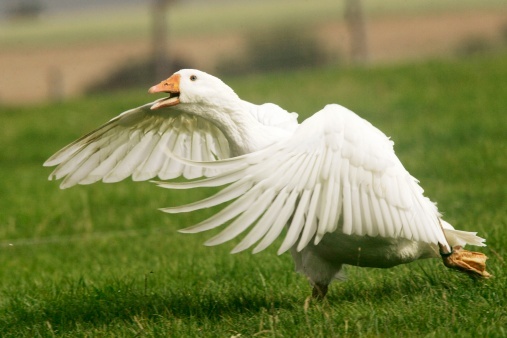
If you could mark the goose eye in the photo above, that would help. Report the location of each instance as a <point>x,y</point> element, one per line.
<point>193,77</point>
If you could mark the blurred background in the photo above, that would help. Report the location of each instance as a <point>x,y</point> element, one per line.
<point>101,261</point>
<point>58,49</point>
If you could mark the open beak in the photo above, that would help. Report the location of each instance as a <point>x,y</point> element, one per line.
<point>170,86</point>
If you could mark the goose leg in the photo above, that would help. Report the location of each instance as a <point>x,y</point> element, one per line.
<point>319,291</point>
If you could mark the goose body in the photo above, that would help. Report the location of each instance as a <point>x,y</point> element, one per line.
<point>333,181</point>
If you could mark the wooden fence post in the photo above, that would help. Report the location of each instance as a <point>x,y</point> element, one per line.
<point>357,31</point>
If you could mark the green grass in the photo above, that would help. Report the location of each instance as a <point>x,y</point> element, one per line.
<point>101,260</point>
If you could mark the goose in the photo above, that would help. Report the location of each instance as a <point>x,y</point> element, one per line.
<point>333,182</point>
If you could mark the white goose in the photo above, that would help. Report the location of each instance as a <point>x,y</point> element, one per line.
<point>333,181</point>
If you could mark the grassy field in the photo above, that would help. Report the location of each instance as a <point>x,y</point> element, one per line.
<point>101,260</point>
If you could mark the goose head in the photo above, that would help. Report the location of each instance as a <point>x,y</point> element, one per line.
<point>191,86</point>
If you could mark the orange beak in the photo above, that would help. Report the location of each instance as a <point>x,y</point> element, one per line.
<point>170,86</point>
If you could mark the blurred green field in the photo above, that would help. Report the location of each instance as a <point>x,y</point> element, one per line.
<point>210,18</point>
<point>102,261</point>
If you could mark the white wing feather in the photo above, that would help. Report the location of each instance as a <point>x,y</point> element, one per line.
<point>336,173</point>
<point>135,144</point>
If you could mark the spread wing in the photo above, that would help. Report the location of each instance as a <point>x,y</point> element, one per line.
<point>336,173</point>
<point>135,144</point>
